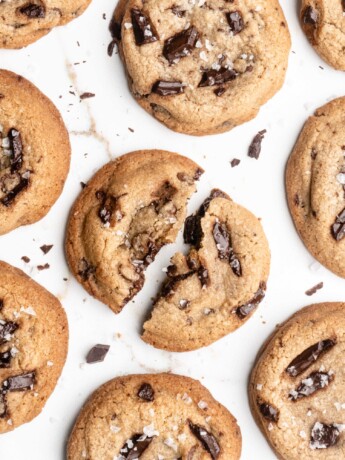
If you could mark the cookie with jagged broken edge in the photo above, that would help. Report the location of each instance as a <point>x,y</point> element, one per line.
<point>216,287</point>
<point>296,388</point>
<point>315,184</point>
<point>202,67</point>
<point>34,152</point>
<point>323,22</point>
<point>162,416</point>
<point>24,21</point>
<point>33,347</point>
<point>130,209</point>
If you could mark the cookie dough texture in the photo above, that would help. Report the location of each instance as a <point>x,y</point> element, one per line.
<point>34,152</point>
<point>297,388</point>
<point>33,347</point>
<point>323,22</point>
<point>162,410</point>
<point>130,209</point>
<point>23,22</point>
<point>230,60</point>
<point>315,183</point>
<point>216,287</point>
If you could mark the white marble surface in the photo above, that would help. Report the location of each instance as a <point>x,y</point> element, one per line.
<point>99,131</point>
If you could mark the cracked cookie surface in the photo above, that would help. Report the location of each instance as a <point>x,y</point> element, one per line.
<point>24,21</point>
<point>217,286</point>
<point>34,152</point>
<point>315,183</point>
<point>163,416</point>
<point>296,388</point>
<point>323,22</point>
<point>202,67</point>
<point>33,347</point>
<point>131,208</point>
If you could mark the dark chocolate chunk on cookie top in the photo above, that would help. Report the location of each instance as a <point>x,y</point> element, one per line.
<point>222,239</point>
<point>19,382</point>
<point>7,328</point>
<point>215,77</point>
<point>310,16</point>
<point>207,439</point>
<point>180,45</point>
<point>168,88</point>
<point>33,10</point>
<point>143,29</point>
<point>146,392</point>
<point>235,21</point>
<point>135,447</point>
<point>311,384</point>
<point>268,411</point>
<point>244,310</point>
<point>16,148</point>
<point>324,436</point>
<point>308,357</point>
<point>338,228</point>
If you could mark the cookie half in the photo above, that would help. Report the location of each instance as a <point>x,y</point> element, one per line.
<point>323,22</point>
<point>33,346</point>
<point>202,67</point>
<point>216,287</point>
<point>130,209</point>
<point>34,152</point>
<point>296,389</point>
<point>315,184</point>
<point>23,22</point>
<point>161,416</point>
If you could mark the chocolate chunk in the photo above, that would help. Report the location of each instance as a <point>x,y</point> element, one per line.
<point>214,77</point>
<point>144,31</point>
<point>135,447</point>
<point>314,289</point>
<point>338,228</point>
<point>43,267</point>
<point>146,392</point>
<point>165,193</point>
<point>323,436</point>
<point>26,259</point>
<point>310,16</point>
<point>16,148</point>
<point>168,88</point>
<point>86,269</point>
<point>115,29</point>
<point>215,193</point>
<point>203,275</point>
<point>97,354</point>
<point>46,248</point>
<point>243,311</point>
<point>192,233</point>
<point>87,95</point>
<point>7,328</point>
<point>5,359</point>
<point>219,91</point>
<point>255,147</point>
<point>235,21</point>
<point>208,441</point>
<point>7,199</point>
<point>308,357</point>
<point>180,45</point>
<point>225,251</point>
<point>235,162</point>
<point>20,382</point>
<point>269,412</point>
<point>314,382</point>
<point>31,10</point>
<point>177,12</point>
<point>110,209</point>
<point>3,405</point>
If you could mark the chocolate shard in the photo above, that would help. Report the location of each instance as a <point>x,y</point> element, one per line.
<point>135,447</point>
<point>208,441</point>
<point>225,251</point>
<point>46,248</point>
<point>7,328</point>
<point>97,354</point>
<point>33,11</point>
<point>314,382</point>
<point>255,147</point>
<point>5,359</point>
<point>323,436</point>
<point>244,310</point>
<point>16,148</point>
<point>146,392</point>
<point>338,228</point>
<point>10,196</point>
<point>310,16</point>
<point>268,412</point>
<point>180,45</point>
<point>235,21</point>
<point>20,382</point>
<point>168,88</point>
<point>143,29</point>
<point>214,77</point>
<point>308,357</point>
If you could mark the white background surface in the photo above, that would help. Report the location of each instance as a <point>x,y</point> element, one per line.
<point>224,366</point>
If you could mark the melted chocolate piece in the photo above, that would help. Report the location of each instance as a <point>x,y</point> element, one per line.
<point>106,211</point>
<point>192,233</point>
<point>115,29</point>
<point>225,251</point>
<point>16,148</point>
<point>5,359</point>
<point>165,194</point>
<point>255,147</point>
<point>19,382</point>
<point>243,311</point>
<point>235,21</point>
<point>31,10</point>
<point>139,443</point>
<point>7,328</point>
<point>314,382</point>
<point>308,357</point>
<point>338,228</point>
<point>86,269</point>
<point>97,354</point>
<point>208,441</point>
<point>323,436</point>
<point>146,392</point>
<point>10,196</point>
<point>180,45</point>
<point>269,412</point>
<point>310,16</point>
<point>144,31</point>
<point>214,77</point>
<point>168,88</point>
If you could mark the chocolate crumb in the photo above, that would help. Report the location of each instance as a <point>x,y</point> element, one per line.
<point>97,354</point>
<point>255,147</point>
<point>86,95</point>
<point>26,259</point>
<point>46,248</point>
<point>43,267</point>
<point>314,289</point>
<point>235,162</point>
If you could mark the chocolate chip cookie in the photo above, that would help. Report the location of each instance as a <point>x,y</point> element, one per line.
<point>323,22</point>
<point>34,152</point>
<point>130,209</point>
<point>24,21</point>
<point>202,67</point>
<point>315,183</point>
<point>216,287</point>
<point>33,347</point>
<point>163,416</point>
<point>296,389</point>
